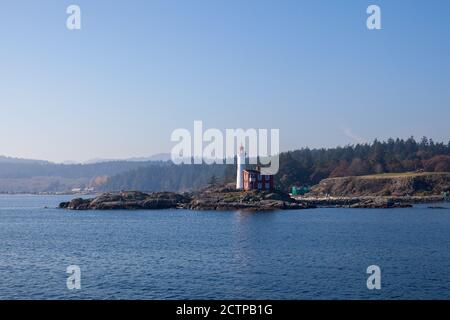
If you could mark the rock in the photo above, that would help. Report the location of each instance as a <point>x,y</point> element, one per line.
<point>364,202</point>
<point>226,199</point>
<point>127,200</point>
<point>64,205</point>
<point>382,203</point>
<point>208,199</point>
<point>77,204</point>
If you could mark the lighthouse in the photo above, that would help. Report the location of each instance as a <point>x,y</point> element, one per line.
<point>240,169</point>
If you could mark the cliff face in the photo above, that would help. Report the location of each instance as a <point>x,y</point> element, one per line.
<point>409,184</point>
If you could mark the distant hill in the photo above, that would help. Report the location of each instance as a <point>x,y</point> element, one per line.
<point>42,176</point>
<point>4,159</point>
<point>155,157</point>
<point>170,177</point>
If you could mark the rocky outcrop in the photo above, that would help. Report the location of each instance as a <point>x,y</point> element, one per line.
<point>366,202</point>
<point>384,185</point>
<point>229,199</point>
<point>128,200</point>
<point>208,199</point>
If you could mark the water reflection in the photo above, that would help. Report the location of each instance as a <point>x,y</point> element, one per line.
<point>249,228</point>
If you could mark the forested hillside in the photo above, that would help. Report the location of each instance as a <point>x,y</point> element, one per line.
<point>30,176</point>
<point>307,166</point>
<point>301,167</point>
<point>171,178</point>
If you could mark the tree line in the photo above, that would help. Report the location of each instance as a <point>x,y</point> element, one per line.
<point>300,167</point>
<point>309,166</point>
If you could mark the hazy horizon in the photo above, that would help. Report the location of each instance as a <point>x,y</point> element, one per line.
<point>118,87</point>
<point>158,156</point>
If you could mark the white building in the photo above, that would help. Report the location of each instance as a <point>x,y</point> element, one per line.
<point>240,169</point>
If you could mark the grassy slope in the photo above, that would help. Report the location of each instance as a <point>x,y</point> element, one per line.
<point>399,184</point>
<point>404,174</point>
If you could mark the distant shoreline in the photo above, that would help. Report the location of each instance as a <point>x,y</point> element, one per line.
<point>370,201</point>
<point>48,194</point>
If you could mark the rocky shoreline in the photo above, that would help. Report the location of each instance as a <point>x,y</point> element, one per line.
<point>228,199</point>
<point>369,201</point>
<point>376,191</point>
<point>209,199</point>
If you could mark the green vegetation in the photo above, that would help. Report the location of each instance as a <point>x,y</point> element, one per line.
<point>177,178</point>
<point>304,167</point>
<point>310,166</point>
<point>301,167</point>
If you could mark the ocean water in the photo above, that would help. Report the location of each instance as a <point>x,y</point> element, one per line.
<point>174,254</point>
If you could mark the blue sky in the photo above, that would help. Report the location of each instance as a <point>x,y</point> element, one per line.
<point>137,70</point>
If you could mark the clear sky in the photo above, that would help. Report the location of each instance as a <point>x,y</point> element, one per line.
<point>137,70</point>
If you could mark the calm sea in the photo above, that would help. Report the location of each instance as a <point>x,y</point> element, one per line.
<point>170,254</point>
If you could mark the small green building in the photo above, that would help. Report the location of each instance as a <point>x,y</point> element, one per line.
<point>300,191</point>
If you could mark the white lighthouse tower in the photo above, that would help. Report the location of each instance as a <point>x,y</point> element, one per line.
<point>240,168</point>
